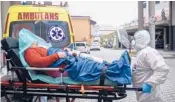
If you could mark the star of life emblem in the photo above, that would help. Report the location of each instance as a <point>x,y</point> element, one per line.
<point>56,34</point>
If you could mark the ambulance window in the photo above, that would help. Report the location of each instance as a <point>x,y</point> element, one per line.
<point>55,32</point>
<point>41,29</point>
<point>71,46</point>
<point>16,26</point>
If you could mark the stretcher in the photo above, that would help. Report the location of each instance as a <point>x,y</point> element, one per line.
<point>27,88</point>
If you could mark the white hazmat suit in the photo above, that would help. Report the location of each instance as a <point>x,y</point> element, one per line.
<point>149,67</point>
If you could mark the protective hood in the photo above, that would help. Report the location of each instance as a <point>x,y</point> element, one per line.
<point>26,38</point>
<point>142,39</point>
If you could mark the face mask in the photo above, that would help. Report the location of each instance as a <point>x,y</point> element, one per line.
<point>136,46</point>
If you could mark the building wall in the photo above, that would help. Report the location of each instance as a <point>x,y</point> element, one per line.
<point>4,9</point>
<point>0,20</point>
<point>173,13</point>
<point>159,5</point>
<point>82,29</point>
<point>173,25</point>
<point>1,57</point>
<point>161,23</point>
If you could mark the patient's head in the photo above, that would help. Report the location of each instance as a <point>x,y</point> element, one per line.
<point>34,45</point>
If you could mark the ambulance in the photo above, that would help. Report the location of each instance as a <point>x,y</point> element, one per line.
<point>52,23</point>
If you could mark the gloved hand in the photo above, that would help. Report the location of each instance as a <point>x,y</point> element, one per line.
<point>146,88</point>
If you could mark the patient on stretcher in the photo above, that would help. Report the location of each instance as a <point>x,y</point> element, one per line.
<point>37,57</point>
<point>82,68</point>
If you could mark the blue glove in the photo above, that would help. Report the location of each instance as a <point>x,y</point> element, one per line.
<point>146,88</point>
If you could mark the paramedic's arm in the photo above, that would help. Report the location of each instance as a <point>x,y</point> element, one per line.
<point>34,59</point>
<point>159,67</point>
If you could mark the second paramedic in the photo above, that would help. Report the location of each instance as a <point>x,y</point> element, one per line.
<point>149,70</point>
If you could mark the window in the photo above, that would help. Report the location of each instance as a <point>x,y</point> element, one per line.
<point>95,41</point>
<point>144,4</point>
<point>80,44</point>
<point>95,44</point>
<point>157,2</point>
<point>88,45</point>
<point>55,32</point>
<point>71,46</point>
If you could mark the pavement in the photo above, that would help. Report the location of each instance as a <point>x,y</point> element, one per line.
<point>167,54</point>
<point>167,89</point>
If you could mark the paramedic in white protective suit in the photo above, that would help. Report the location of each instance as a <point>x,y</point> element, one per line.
<point>149,69</point>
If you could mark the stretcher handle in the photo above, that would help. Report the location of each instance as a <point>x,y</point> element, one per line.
<point>134,89</point>
<point>128,88</point>
<point>39,69</point>
<point>43,69</point>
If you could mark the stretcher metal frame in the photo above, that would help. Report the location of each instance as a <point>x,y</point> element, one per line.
<point>27,89</point>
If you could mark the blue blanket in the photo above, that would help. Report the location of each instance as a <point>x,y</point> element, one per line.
<point>86,70</point>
